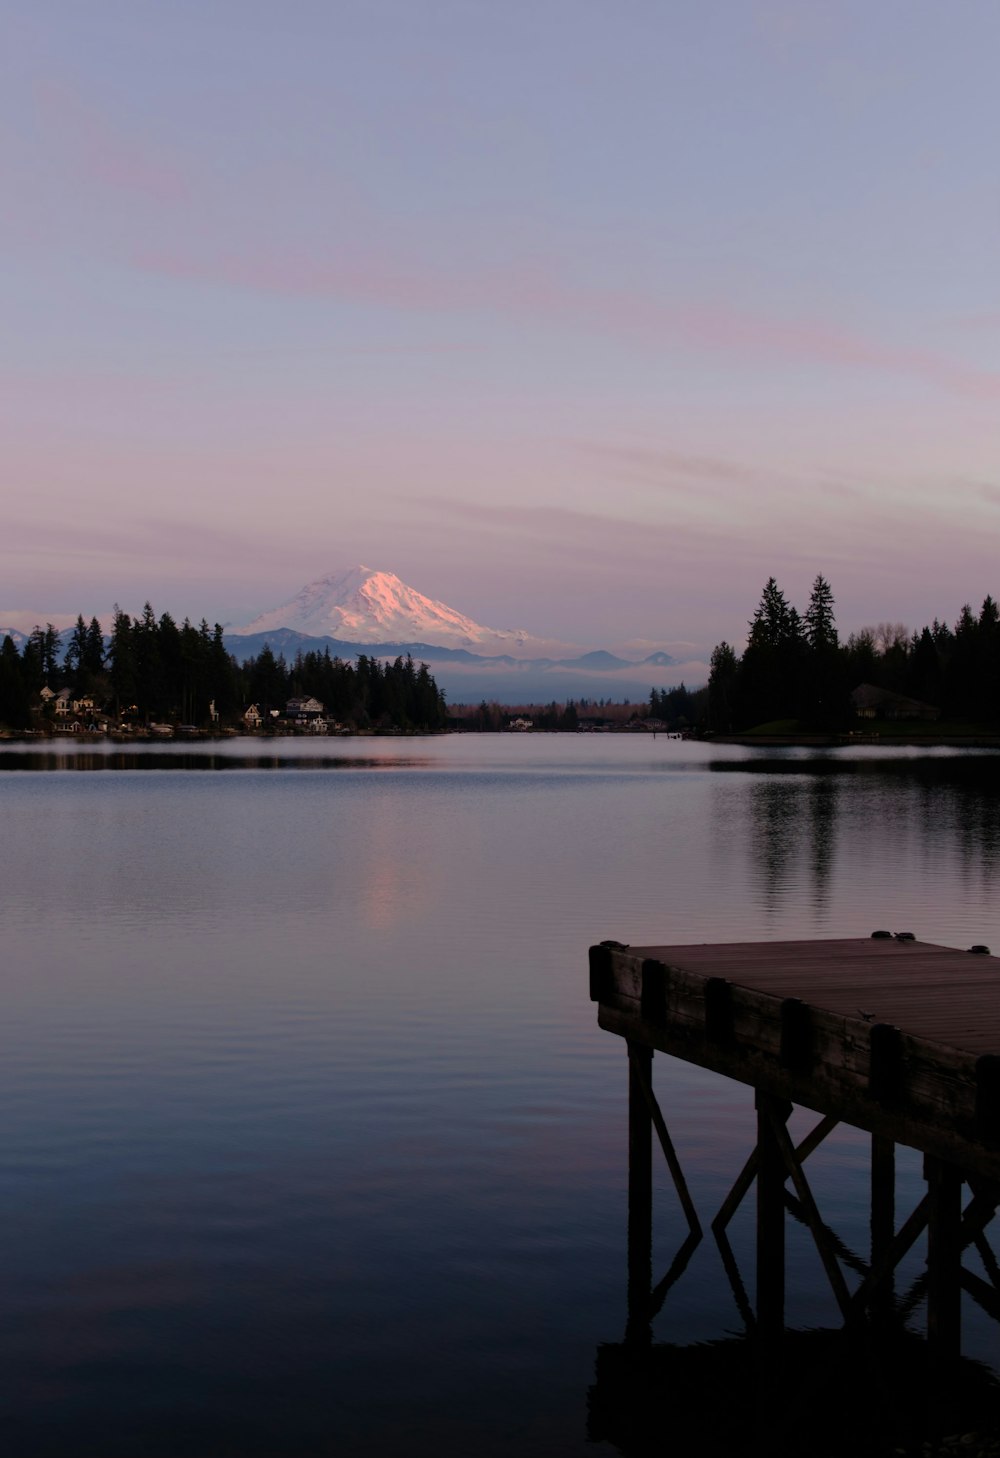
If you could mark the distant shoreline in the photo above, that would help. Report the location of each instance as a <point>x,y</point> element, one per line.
<point>849,741</point>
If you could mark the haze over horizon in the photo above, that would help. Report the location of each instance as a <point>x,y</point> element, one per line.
<point>581,320</point>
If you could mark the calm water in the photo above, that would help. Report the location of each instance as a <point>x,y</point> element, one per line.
<point>312,1144</point>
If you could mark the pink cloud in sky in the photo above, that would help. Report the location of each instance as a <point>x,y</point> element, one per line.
<point>101,151</point>
<point>538,295</point>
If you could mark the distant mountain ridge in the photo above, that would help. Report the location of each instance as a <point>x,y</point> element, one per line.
<point>464,676</point>
<point>289,641</point>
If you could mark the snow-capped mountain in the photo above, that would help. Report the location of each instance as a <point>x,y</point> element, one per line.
<point>367,611</point>
<point>20,622</point>
<point>366,606</point>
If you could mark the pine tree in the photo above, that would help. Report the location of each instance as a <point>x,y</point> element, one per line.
<point>121,661</point>
<point>820,626</point>
<point>93,657</point>
<point>15,711</point>
<point>770,674</point>
<point>76,652</point>
<point>722,688</point>
<point>772,625</point>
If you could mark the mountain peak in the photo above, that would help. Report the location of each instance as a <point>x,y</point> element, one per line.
<point>368,605</point>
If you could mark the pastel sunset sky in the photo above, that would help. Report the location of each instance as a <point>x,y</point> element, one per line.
<point>584,317</point>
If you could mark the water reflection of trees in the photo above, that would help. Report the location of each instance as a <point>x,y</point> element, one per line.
<point>776,827</point>
<point>141,759</point>
<point>938,812</point>
<point>792,833</point>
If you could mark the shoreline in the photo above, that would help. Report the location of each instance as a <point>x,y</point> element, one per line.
<point>849,741</point>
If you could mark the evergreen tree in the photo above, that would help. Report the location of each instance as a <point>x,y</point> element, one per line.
<point>93,655</point>
<point>222,686</point>
<point>819,624</point>
<point>267,681</point>
<point>76,653</point>
<point>32,660</point>
<point>569,719</point>
<point>15,709</point>
<point>825,701</point>
<point>722,688</point>
<point>925,675</point>
<point>122,663</point>
<point>770,670</point>
<point>772,625</point>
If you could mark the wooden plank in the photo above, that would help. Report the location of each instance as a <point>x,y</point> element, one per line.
<point>812,1216</point>
<point>643,1074</point>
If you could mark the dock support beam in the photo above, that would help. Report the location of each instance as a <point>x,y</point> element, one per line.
<point>944,1256</point>
<point>883,1221</point>
<point>770,1216</point>
<point>640,1194</point>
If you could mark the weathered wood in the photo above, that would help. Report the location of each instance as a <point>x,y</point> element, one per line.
<point>796,1050</point>
<point>818,1230</point>
<point>899,1038</point>
<point>885,1063</point>
<point>896,1038</point>
<point>719,1011</point>
<point>641,1072</point>
<point>748,1173</point>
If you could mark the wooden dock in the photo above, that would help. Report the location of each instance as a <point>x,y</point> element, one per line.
<point>896,1037</point>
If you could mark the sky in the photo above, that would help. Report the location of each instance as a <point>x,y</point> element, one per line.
<point>584,318</point>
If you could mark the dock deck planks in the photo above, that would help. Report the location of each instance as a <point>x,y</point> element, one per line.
<point>926,990</point>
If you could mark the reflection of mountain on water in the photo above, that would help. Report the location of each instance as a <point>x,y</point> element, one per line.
<point>814,1393</point>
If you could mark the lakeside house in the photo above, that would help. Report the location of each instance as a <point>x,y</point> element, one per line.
<point>878,703</point>
<point>303,710</point>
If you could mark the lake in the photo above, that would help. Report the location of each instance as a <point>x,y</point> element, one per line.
<point>312,1144</point>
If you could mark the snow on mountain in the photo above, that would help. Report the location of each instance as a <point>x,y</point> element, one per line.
<point>366,606</point>
<point>22,621</point>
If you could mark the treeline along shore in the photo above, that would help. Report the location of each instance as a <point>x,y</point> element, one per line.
<point>794,680</point>
<point>153,671</point>
<point>796,677</point>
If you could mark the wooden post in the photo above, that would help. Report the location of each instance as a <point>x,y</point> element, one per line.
<point>883,1218</point>
<point>770,1217</point>
<point>640,1195</point>
<point>944,1256</point>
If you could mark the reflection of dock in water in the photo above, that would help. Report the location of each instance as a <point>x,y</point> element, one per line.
<point>895,1037</point>
<point>817,1395</point>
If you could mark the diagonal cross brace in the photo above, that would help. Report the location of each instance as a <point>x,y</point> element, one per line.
<point>669,1153</point>
<point>812,1217</point>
